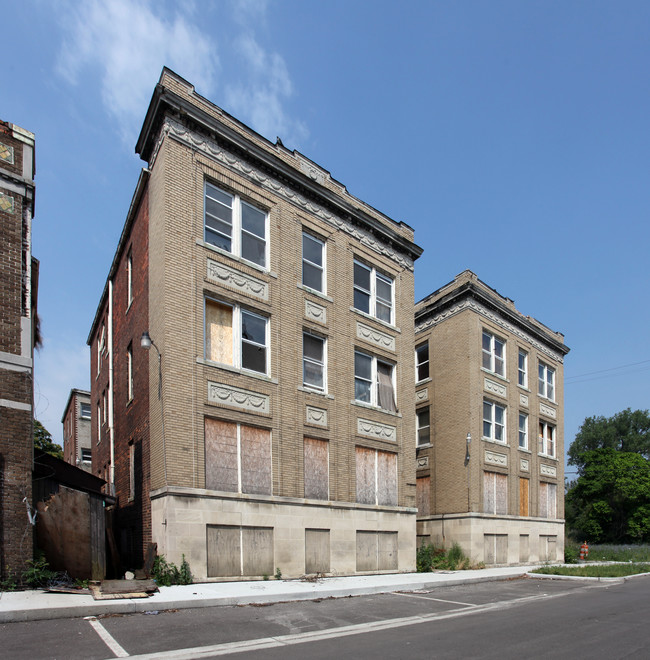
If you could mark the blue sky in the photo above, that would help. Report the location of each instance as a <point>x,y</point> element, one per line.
<point>512,136</point>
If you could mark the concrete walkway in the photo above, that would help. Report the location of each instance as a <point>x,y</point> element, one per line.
<point>39,605</point>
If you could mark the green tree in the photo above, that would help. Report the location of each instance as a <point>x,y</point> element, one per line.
<point>43,440</point>
<point>626,431</point>
<point>610,501</point>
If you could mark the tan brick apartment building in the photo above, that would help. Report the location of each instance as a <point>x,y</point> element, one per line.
<point>18,296</point>
<point>77,449</point>
<point>270,424</point>
<point>485,369</point>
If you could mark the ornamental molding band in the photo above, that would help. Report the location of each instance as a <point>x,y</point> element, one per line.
<point>423,462</point>
<point>547,410</point>
<point>523,399</point>
<point>495,458</point>
<point>495,388</point>
<point>376,430</point>
<point>315,416</point>
<point>381,339</point>
<point>235,397</point>
<point>547,470</point>
<point>315,312</point>
<point>421,395</point>
<point>218,272</point>
<point>524,465</point>
<point>496,319</point>
<point>211,149</point>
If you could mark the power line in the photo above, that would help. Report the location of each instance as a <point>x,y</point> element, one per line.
<point>602,371</point>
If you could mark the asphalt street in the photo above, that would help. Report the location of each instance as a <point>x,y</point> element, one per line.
<point>530,618</point>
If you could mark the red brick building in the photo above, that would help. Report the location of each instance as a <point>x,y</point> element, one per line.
<point>18,295</point>
<point>77,448</point>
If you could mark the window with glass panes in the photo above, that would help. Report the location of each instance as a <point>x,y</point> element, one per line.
<point>522,369</point>
<point>546,439</point>
<point>422,362</point>
<point>373,292</point>
<point>494,421</point>
<point>423,426</point>
<point>373,381</point>
<point>546,381</point>
<point>313,361</point>
<point>494,353</point>
<point>523,431</point>
<point>235,225</point>
<point>313,262</point>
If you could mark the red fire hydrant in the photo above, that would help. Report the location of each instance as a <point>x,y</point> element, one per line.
<point>584,551</point>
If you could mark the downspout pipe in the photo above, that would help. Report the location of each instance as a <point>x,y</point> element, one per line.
<point>111,427</point>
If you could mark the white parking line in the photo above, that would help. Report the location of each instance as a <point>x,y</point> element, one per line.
<point>107,638</point>
<point>319,635</point>
<point>440,600</point>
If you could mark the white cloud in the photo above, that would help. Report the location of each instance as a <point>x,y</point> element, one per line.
<point>128,42</point>
<point>259,100</point>
<point>58,368</point>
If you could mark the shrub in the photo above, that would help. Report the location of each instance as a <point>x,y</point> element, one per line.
<point>38,572</point>
<point>571,552</point>
<point>166,574</point>
<point>429,558</point>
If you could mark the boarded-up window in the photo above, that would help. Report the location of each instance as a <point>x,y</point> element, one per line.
<point>239,551</point>
<point>547,548</point>
<point>376,551</point>
<point>255,460</point>
<point>547,500</point>
<point>316,469</point>
<point>317,551</point>
<point>495,548</point>
<point>523,496</point>
<point>237,458</point>
<point>218,332</point>
<point>376,473</point>
<point>495,493</point>
<point>423,495</point>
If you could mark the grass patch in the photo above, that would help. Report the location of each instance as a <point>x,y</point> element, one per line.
<point>609,570</point>
<point>607,552</point>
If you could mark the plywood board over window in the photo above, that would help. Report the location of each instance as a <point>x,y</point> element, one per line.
<point>365,475</point>
<point>376,477</point>
<point>317,551</point>
<point>547,500</point>
<point>316,469</point>
<point>523,496</point>
<point>423,495</point>
<point>495,493</point>
<point>386,478</point>
<point>218,332</point>
<point>239,551</point>
<point>255,461</point>
<point>221,460</point>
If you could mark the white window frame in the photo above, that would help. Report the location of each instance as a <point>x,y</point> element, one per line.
<point>522,368</point>
<point>322,364</point>
<point>546,443</point>
<point>238,340</point>
<point>129,373</point>
<point>372,293</point>
<point>546,381</point>
<point>493,424</point>
<point>374,380</point>
<point>81,410</point>
<point>523,431</point>
<point>490,357</point>
<point>86,449</point>
<point>129,279</point>
<point>420,428</point>
<point>323,268</point>
<point>418,363</point>
<point>237,229</point>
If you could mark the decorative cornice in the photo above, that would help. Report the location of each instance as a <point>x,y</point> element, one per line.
<point>497,319</point>
<point>214,151</point>
<point>376,430</point>
<point>235,397</point>
<point>315,416</point>
<point>374,336</point>
<point>218,272</point>
<point>315,312</point>
<point>495,458</point>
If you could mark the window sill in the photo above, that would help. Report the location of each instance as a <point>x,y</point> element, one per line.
<point>424,381</point>
<point>495,375</point>
<point>234,257</point>
<point>526,451</point>
<point>545,399</point>
<point>495,442</point>
<point>314,292</point>
<point>243,372</point>
<point>426,445</point>
<point>524,388</point>
<point>361,404</point>
<point>550,458</point>
<point>390,326</point>
<point>309,390</point>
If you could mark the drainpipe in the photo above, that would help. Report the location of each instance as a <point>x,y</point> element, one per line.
<point>111,429</point>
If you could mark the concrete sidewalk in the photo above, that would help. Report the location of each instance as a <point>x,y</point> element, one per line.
<point>39,605</point>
